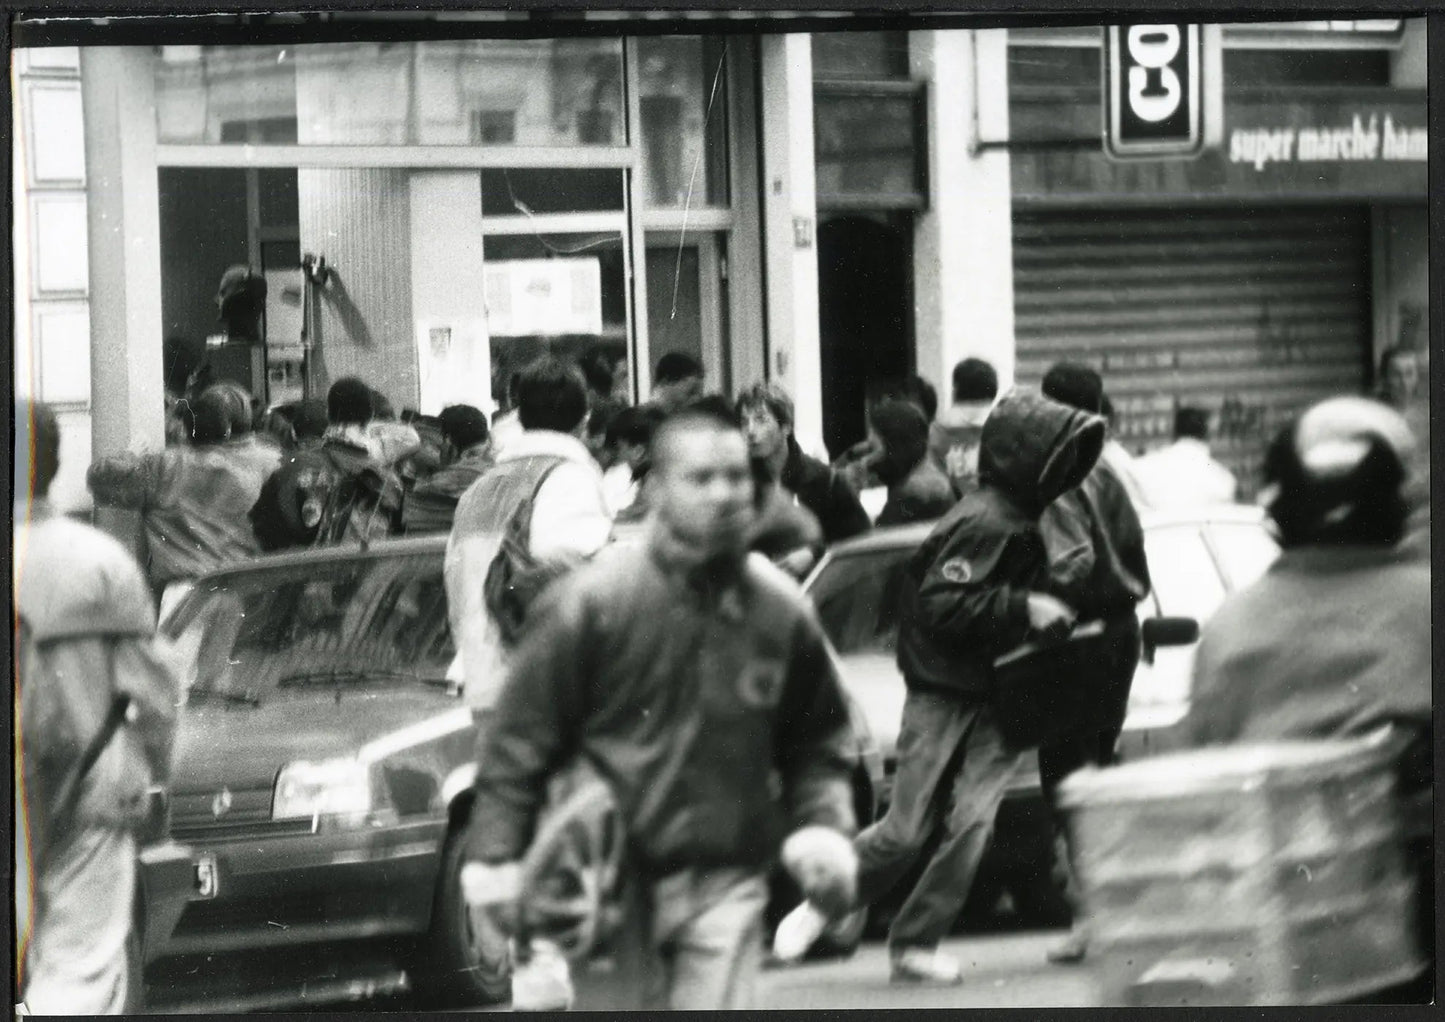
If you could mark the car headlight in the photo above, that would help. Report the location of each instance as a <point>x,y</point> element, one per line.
<point>332,787</point>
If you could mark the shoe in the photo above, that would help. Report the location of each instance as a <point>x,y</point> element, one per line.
<point>799,931</point>
<point>920,965</point>
<point>1071,950</point>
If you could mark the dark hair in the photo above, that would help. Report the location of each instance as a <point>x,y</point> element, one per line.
<point>239,413</point>
<point>1365,506</point>
<point>1076,385</point>
<point>464,425</point>
<point>598,364</point>
<point>903,429</point>
<point>913,389</point>
<point>348,402</point>
<point>551,394</point>
<point>771,398</point>
<point>675,366</point>
<point>381,406</point>
<point>309,419</point>
<point>37,448</point>
<point>974,380</point>
<point>213,416</point>
<point>1106,408</point>
<point>636,425</point>
<point>926,395</point>
<point>1191,422</point>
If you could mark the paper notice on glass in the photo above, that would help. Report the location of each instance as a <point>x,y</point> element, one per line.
<point>544,297</point>
<point>454,364</point>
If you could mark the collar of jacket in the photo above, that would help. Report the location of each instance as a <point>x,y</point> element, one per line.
<point>714,579</point>
<point>351,435</point>
<point>531,443</point>
<point>800,470</point>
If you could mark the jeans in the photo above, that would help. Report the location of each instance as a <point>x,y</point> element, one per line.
<point>953,769</point>
<point>693,941</point>
<point>84,898</point>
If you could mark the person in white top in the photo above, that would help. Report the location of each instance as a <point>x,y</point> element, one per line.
<point>548,464</point>
<point>1184,475</point>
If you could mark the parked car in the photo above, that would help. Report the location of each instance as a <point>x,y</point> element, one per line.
<point>1195,559</point>
<point>324,764</point>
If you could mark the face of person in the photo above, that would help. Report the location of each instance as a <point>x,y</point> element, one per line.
<point>703,489</point>
<point>1402,377</point>
<point>765,434</point>
<point>674,395</point>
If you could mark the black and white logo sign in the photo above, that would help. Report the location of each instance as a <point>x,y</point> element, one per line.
<point>1152,91</point>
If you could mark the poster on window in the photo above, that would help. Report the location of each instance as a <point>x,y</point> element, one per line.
<point>544,297</point>
<point>454,364</point>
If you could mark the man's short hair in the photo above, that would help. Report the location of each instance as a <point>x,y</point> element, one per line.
<point>711,411</point>
<point>771,398</point>
<point>239,413</point>
<point>974,380</point>
<point>1191,422</point>
<point>902,427</point>
<point>309,419</point>
<point>675,366</point>
<point>464,425</point>
<point>598,363</point>
<point>551,394</point>
<point>925,394</point>
<point>348,402</point>
<point>37,448</point>
<point>213,414</point>
<point>635,425</point>
<point>381,406</point>
<point>1076,385</point>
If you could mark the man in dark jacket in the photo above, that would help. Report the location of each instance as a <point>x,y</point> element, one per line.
<point>432,502</point>
<point>976,589</point>
<point>695,678</point>
<point>917,488</point>
<point>1098,567</point>
<point>767,414</point>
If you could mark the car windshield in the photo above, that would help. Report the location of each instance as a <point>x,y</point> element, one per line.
<point>857,599</point>
<point>360,621</point>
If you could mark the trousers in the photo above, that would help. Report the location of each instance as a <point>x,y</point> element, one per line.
<point>79,957</point>
<point>953,769</point>
<point>692,941</point>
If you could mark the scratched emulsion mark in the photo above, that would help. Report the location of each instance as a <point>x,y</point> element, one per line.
<point>692,178</point>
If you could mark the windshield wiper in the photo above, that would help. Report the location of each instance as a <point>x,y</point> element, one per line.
<point>342,675</point>
<point>245,697</point>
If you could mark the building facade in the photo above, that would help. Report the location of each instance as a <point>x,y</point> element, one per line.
<point>822,210</point>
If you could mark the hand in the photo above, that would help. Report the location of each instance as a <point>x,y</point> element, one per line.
<point>1050,616</point>
<point>798,562</point>
<point>825,866</point>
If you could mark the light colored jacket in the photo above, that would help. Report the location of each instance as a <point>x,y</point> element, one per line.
<point>1183,475</point>
<point>570,521</point>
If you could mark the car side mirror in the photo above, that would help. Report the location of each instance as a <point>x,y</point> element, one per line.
<point>1167,631</point>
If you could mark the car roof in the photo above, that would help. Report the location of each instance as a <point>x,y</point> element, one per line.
<point>895,536</point>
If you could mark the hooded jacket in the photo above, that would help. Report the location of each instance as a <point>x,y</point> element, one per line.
<point>965,600</point>
<point>1096,547</point>
<point>825,493</point>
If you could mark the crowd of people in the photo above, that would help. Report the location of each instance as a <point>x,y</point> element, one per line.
<point>694,673</point>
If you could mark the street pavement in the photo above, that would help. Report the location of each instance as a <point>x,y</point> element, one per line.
<point>999,971</point>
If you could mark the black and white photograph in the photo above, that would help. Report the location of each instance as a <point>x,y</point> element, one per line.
<point>529,509</point>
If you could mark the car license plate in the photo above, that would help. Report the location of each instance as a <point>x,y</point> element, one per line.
<point>207,878</point>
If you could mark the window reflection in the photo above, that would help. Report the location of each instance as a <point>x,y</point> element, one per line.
<point>684,130</point>
<point>531,92</point>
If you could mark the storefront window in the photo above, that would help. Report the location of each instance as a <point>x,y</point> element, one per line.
<point>872,55</point>
<point>684,129</point>
<point>527,92</point>
<point>869,141</point>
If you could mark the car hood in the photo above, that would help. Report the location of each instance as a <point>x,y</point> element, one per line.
<point>243,747</point>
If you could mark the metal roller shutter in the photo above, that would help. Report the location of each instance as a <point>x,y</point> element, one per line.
<point>1252,313</point>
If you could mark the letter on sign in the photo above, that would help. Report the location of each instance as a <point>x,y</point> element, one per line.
<point>1152,91</point>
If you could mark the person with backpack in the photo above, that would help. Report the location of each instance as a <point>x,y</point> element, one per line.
<point>537,512</point>
<point>337,492</point>
<point>766,411</point>
<point>468,454</point>
<point>96,713</point>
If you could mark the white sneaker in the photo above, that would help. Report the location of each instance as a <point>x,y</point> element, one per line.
<point>799,930</point>
<point>926,965</point>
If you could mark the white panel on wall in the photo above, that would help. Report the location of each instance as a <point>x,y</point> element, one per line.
<point>61,251</point>
<point>55,133</point>
<point>62,349</point>
<point>51,58</point>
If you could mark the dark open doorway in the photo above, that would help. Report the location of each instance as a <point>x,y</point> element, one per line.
<point>865,314</point>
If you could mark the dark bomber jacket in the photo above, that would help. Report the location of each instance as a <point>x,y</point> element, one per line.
<point>705,697</point>
<point>965,598</point>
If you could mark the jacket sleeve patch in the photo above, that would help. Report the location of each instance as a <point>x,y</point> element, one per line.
<point>761,683</point>
<point>956,570</point>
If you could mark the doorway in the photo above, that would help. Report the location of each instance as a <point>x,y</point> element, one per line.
<point>865,314</point>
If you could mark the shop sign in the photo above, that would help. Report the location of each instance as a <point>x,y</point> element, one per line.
<point>1367,137</point>
<point>1152,95</point>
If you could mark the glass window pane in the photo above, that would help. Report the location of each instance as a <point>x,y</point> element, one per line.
<point>857,599</point>
<point>674,303</point>
<point>860,55</point>
<point>866,145</point>
<point>684,129</point>
<point>532,92</point>
<point>517,192</point>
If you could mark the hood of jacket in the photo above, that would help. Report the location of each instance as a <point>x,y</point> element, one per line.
<point>1034,449</point>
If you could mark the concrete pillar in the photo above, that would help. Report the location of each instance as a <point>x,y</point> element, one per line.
<point>963,243</point>
<point>790,216</point>
<point>127,390</point>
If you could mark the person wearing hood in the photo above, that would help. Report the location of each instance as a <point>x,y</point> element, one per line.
<point>767,414</point>
<point>976,589</point>
<point>1334,640</point>
<point>917,488</point>
<point>953,438</point>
